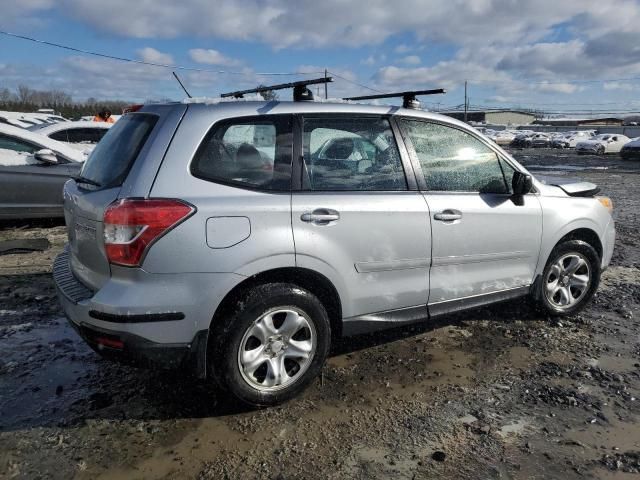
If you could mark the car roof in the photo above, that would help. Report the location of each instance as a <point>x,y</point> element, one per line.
<point>239,108</point>
<point>45,142</point>
<point>56,127</point>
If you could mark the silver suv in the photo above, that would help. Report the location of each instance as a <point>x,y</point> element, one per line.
<point>238,238</point>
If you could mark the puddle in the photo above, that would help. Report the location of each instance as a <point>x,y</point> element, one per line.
<point>612,363</point>
<point>514,429</point>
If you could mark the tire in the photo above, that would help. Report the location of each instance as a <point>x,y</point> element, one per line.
<point>600,151</point>
<point>562,293</point>
<point>275,322</point>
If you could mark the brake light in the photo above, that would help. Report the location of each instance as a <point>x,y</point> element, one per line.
<point>131,226</point>
<point>132,108</point>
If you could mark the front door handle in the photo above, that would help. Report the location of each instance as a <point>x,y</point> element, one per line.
<point>448,215</point>
<point>320,216</point>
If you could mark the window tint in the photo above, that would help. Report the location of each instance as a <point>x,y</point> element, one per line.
<point>11,143</point>
<point>111,160</point>
<point>351,154</point>
<point>251,153</point>
<point>453,160</point>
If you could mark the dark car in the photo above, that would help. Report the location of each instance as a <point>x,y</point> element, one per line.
<point>631,151</point>
<point>33,170</point>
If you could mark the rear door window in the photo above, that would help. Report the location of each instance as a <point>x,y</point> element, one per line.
<point>113,157</point>
<point>351,154</point>
<point>251,153</point>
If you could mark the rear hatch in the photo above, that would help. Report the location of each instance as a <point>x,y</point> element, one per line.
<point>123,164</point>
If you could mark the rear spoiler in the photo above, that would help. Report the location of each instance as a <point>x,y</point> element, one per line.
<point>580,189</point>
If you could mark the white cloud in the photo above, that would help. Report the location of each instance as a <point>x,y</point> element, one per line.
<point>402,48</point>
<point>152,55</point>
<point>411,60</point>
<point>357,23</point>
<point>622,86</point>
<point>212,57</point>
<point>369,61</point>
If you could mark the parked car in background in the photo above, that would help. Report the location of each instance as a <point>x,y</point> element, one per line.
<point>522,139</point>
<point>33,169</point>
<point>570,139</point>
<point>505,137</point>
<point>80,135</point>
<point>199,240</point>
<point>631,150</point>
<point>540,140</point>
<point>28,120</point>
<point>601,144</point>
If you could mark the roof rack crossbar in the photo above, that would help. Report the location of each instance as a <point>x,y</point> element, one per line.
<point>300,90</point>
<point>408,98</point>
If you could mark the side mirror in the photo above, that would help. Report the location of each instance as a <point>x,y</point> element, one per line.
<point>46,156</point>
<point>522,183</point>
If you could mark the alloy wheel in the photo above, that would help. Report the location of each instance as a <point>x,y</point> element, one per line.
<point>568,280</point>
<point>277,349</point>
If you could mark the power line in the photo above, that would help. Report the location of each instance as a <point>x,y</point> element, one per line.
<point>142,62</point>
<point>356,83</point>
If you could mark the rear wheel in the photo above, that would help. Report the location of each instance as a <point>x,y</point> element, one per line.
<point>271,345</point>
<point>570,278</point>
<point>600,150</point>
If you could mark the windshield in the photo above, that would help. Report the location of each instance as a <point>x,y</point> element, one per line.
<point>113,157</point>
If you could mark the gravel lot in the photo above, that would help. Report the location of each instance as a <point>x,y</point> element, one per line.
<point>498,392</point>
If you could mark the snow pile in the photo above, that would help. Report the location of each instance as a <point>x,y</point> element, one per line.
<point>217,100</point>
<point>11,158</point>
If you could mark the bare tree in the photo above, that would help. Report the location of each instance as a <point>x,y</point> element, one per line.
<point>25,94</point>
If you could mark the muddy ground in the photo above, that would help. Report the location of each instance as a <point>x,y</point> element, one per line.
<point>498,392</point>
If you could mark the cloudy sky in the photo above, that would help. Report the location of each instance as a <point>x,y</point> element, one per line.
<point>547,54</point>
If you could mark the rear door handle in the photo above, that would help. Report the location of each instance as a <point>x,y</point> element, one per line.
<point>448,215</point>
<point>320,216</point>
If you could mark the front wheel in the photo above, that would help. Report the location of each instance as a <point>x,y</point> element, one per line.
<point>570,278</point>
<point>271,344</point>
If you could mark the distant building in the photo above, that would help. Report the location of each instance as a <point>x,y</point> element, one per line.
<point>582,122</point>
<point>494,117</point>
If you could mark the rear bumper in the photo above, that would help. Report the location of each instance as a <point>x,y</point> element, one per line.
<point>140,352</point>
<point>144,319</point>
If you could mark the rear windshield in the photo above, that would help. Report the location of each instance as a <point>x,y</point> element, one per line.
<point>114,155</point>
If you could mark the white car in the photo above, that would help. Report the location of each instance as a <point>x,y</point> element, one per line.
<point>82,136</point>
<point>19,146</point>
<point>29,120</point>
<point>504,137</point>
<point>601,144</point>
<point>571,139</point>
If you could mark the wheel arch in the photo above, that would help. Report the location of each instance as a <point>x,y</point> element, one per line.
<point>586,235</point>
<point>307,279</point>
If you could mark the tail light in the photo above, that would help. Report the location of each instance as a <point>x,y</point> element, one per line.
<point>131,226</point>
<point>132,108</point>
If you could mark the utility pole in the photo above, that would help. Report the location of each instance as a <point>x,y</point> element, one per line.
<point>326,92</point>
<point>466,104</point>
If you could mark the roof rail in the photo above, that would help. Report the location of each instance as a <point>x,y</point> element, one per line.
<point>300,90</point>
<point>408,98</point>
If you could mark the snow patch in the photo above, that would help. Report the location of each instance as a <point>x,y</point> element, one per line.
<point>11,158</point>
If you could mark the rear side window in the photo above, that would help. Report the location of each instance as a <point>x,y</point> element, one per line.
<point>80,135</point>
<point>251,153</point>
<point>113,157</point>
<point>452,160</point>
<point>351,154</point>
